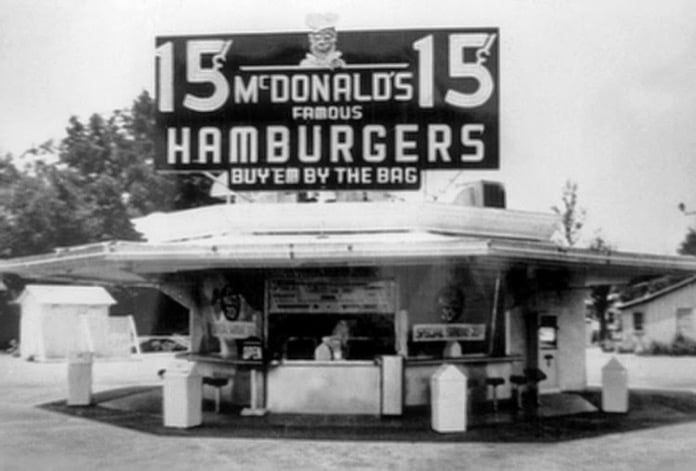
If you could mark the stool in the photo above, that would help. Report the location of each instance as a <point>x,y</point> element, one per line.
<point>494,382</point>
<point>517,382</point>
<point>217,383</point>
<point>535,376</point>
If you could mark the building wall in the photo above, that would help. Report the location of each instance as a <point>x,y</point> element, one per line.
<point>72,328</point>
<point>53,331</point>
<point>30,330</point>
<point>660,316</point>
<point>569,305</point>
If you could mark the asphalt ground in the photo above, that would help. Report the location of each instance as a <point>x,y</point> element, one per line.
<point>37,431</point>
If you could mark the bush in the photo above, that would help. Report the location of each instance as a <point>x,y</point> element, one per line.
<point>680,346</point>
<point>656,348</point>
<point>683,345</point>
<point>626,347</point>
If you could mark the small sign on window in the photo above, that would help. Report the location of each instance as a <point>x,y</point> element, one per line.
<point>448,332</point>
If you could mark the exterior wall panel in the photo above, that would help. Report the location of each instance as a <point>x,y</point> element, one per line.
<point>660,316</point>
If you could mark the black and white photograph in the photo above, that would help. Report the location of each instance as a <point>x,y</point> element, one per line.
<point>347,234</point>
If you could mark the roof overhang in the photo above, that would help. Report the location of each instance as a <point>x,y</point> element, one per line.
<point>656,294</point>
<point>140,262</point>
<point>339,234</point>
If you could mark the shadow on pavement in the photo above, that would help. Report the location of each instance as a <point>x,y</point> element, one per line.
<point>140,408</point>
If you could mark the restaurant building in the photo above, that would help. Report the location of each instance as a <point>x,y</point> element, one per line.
<point>351,307</point>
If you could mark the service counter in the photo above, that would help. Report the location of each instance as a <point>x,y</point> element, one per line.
<point>324,387</point>
<point>214,363</point>
<point>246,376</point>
<point>382,386</point>
<point>371,387</point>
<point>417,373</point>
<point>301,386</point>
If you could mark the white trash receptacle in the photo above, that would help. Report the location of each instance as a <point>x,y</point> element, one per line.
<point>448,397</point>
<point>182,396</point>
<point>79,379</point>
<point>614,387</point>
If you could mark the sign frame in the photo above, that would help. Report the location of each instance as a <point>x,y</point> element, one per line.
<point>387,106</point>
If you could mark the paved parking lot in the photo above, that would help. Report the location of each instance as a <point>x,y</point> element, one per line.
<point>35,438</point>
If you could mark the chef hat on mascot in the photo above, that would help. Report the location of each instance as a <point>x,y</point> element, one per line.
<point>320,21</point>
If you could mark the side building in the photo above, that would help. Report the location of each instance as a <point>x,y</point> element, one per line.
<point>659,317</point>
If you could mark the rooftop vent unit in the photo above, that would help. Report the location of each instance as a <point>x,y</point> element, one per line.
<point>482,193</point>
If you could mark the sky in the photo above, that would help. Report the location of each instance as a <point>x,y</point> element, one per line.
<point>600,92</point>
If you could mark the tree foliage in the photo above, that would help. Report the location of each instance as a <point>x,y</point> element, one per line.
<point>120,151</point>
<point>104,175</point>
<point>572,215</point>
<point>688,245</point>
<point>600,295</point>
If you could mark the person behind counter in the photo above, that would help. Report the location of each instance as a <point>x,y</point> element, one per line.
<point>334,347</point>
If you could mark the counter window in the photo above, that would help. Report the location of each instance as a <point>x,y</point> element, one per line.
<point>453,311</point>
<point>548,333</point>
<point>330,319</point>
<point>231,313</point>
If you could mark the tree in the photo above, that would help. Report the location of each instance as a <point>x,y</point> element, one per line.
<point>572,222</point>
<point>104,176</point>
<point>121,148</point>
<point>599,295</point>
<point>572,216</point>
<point>8,173</point>
<point>38,216</point>
<point>688,245</point>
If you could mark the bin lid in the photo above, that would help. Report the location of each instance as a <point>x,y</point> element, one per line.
<point>613,365</point>
<point>448,373</point>
<point>79,357</point>
<point>180,367</point>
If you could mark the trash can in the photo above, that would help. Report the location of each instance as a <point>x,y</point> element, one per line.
<point>448,397</point>
<point>614,387</point>
<point>79,379</point>
<point>182,396</point>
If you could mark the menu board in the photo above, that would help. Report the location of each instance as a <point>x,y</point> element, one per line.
<point>324,296</point>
